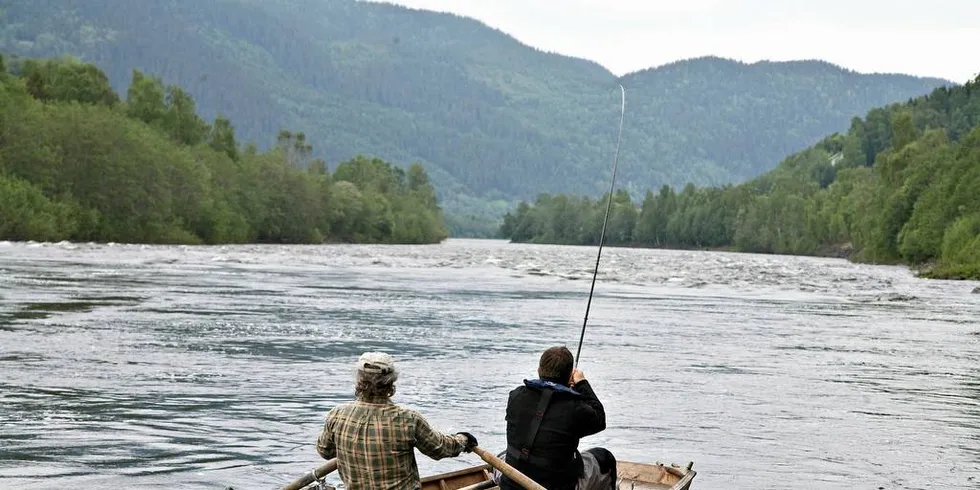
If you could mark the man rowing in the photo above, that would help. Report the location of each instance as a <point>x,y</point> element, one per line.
<point>546,417</point>
<point>373,439</point>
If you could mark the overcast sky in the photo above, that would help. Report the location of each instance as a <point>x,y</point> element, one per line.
<point>931,38</point>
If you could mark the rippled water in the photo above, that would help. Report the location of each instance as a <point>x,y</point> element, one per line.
<point>209,367</point>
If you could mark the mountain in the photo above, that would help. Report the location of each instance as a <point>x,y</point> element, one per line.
<point>490,118</point>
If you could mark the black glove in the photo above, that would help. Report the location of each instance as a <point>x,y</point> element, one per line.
<point>470,441</point>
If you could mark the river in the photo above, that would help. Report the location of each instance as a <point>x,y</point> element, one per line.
<point>128,366</point>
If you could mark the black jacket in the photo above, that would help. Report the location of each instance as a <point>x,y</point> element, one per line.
<point>554,459</point>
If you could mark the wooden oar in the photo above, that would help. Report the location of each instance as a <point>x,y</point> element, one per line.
<point>314,475</point>
<point>490,458</point>
<point>507,469</point>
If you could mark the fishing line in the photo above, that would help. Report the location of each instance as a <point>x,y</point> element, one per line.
<point>602,234</point>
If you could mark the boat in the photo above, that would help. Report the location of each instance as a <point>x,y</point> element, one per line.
<point>632,476</point>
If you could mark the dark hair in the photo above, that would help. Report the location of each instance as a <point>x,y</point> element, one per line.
<point>556,363</point>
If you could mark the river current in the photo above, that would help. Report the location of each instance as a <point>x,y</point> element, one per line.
<point>128,366</point>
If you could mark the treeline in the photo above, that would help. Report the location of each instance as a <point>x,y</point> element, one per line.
<point>78,163</point>
<point>901,186</point>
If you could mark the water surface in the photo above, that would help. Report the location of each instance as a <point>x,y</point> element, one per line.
<point>210,367</point>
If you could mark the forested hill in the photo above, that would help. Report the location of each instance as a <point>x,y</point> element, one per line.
<point>901,185</point>
<point>489,117</point>
<point>79,164</point>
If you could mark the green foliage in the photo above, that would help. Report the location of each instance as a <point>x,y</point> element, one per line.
<point>901,186</point>
<point>27,214</point>
<point>493,120</point>
<point>961,244</point>
<point>78,164</point>
<point>67,80</point>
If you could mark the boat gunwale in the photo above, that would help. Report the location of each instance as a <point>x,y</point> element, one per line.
<point>460,472</point>
<point>684,475</point>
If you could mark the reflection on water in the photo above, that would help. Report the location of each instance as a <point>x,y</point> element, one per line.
<point>208,367</point>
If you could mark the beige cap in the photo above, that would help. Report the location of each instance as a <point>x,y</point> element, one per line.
<point>376,362</point>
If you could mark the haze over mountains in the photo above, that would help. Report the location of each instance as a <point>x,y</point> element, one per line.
<point>490,118</point>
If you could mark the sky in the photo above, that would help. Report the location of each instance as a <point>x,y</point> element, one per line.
<point>935,38</point>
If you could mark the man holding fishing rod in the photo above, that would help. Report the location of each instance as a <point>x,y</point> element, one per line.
<point>546,417</point>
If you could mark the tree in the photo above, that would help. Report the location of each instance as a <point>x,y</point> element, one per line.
<point>145,99</point>
<point>221,137</point>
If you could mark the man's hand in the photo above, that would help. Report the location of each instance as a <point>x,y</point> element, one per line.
<point>467,440</point>
<point>577,375</point>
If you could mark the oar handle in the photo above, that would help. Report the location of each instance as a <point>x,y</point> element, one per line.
<point>507,469</point>
<point>313,476</point>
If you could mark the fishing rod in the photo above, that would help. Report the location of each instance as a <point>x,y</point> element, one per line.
<point>602,234</point>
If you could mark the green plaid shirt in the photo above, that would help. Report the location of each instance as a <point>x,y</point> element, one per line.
<point>373,444</point>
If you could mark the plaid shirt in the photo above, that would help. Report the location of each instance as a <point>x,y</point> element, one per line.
<point>373,444</point>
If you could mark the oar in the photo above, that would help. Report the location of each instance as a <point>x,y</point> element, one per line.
<point>507,469</point>
<point>313,476</point>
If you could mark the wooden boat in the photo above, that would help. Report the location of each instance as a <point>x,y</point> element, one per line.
<point>632,476</point>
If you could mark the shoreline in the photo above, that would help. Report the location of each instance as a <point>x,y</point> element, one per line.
<point>929,270</point>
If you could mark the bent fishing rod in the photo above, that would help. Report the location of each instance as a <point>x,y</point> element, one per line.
<point>602,234</point>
